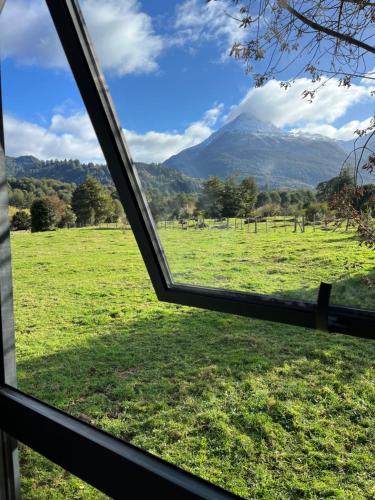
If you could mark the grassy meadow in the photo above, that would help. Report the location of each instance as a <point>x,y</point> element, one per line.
<point>264,410</point>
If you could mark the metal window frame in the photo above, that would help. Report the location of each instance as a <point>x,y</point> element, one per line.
<point>117,468</point>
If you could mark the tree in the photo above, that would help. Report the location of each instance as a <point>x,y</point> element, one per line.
<point>21,221</point>
<point>336,36</point>
<point>43,215</point>
<point>248,194</point>
<point>263,198</point>
<point>325,191</point>
<point>58,206</point>
<point>157,204</point>
<point>285,199</point>
<point>91,202</point>
<point>17,198</point>
<point>210,201</point>
<point>68,218</point>
<point>231,198</point>
<point>118,211</point>
<point>316,211</point>
<point>275,198</point>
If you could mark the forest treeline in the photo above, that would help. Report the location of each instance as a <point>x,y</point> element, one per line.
<point>152,175</point>
<point>44,204</point>
<point>241,198</point>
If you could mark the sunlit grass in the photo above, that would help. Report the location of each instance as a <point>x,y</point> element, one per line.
<point>279,262</point>
<point>265,410</point>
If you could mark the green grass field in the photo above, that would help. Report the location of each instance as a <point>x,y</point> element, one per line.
<point>281,263</point>
<point>265,410</point>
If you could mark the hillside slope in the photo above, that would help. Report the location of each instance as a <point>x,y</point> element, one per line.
<point>248,146</point>
<point>152,176</point>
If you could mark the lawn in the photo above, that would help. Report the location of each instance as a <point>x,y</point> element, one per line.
<point>265,410</point>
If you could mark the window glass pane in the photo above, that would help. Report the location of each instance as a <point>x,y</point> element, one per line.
<point>258,408</point>
<point>240,179</point>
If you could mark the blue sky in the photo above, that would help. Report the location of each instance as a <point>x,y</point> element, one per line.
<point>172,82</point>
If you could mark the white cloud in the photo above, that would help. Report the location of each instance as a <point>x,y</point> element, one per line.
<point>159,146</point>
<point>72,136</point>
<point>345,133</point>
<point>27,35</point>
<point>197,20</point>
<point>287,108</point>
<point>56,141</point>
<point>123,35</point>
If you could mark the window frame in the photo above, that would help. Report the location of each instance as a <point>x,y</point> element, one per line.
<point>113,466</point>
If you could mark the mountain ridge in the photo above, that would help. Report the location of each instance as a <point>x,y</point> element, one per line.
<point>153,176</point>
<point>248,146</point>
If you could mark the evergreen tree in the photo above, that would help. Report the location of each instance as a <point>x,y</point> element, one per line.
<point>327,190</point>
<point>43,215</point>
<point>210,201</point>
<point>248,195</point>
<point>263,198</point>
<point>275,197</point>
<point>231,198</point>
<point>91,202</point>
<point>285,199</point>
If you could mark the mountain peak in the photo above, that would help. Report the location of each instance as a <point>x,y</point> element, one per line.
<point>249,123</point>
<point>249,146</point>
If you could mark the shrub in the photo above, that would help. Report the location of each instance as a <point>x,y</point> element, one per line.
<point>268,210</point>
<point>21,221</point>
<point>316,211</point>
<point>68,218</point>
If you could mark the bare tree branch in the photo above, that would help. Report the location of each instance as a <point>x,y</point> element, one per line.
<point>320,28</point>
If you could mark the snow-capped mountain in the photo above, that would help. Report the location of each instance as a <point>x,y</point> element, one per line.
<point>249,146</point>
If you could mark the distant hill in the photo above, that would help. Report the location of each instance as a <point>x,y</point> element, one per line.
<point>153,176</point>
<point>249,146</point>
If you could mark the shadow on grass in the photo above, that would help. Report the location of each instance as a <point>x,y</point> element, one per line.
<point>356,291</point>
<point>182,382</point>
<point>180,345</point>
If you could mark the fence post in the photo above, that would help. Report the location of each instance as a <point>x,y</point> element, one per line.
<point>256,226</point>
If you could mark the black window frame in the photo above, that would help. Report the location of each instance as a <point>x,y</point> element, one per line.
<point>113,466</point>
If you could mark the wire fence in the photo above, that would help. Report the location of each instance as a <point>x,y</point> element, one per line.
<point>258,224</point>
